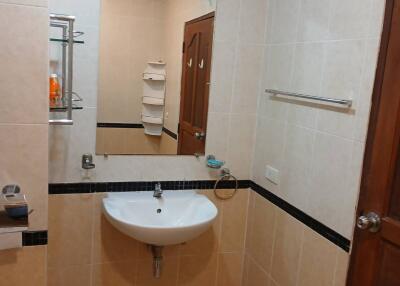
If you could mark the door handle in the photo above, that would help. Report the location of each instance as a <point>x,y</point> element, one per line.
<point>370,222</point>
<point>199,135</point>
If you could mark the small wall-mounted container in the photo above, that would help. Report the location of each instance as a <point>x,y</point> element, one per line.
<point>213,163</point>
<point>14,203</point>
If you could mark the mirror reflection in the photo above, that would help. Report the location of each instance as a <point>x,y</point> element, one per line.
<point>154,76</point>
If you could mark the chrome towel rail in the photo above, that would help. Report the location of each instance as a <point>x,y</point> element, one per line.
<point>344,102</point>
<point>225,174</point>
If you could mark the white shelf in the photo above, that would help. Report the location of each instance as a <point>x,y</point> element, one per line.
<point>149,131</point>
<point>153,100</point>
<point>154,76</point>
<point>152,120</point>
<point>154,83</point>
<point>157,63</point>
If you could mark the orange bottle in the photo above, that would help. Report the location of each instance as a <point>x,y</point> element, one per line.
<point>54,90</point>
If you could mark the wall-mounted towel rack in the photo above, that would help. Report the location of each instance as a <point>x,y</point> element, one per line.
<point>344,102</point>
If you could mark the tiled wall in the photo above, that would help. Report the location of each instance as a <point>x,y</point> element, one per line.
<point>133,141</point>
<point>176,14</point>
<point>324,178</point>
<point>84,249</point>
<point>231,119</point>
<point>281,251</point>
<point>325,48</point>
<point>131,35</point>
<point>23,126</point>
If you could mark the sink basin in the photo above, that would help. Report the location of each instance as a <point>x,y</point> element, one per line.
<point>177,217</point>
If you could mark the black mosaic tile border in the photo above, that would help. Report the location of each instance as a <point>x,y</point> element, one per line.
<point>312,223</point>
<point>170,133</point>
<point>83,188</point>
<point>80,188</point>
<point>119,125</point>
<point>31,238</point>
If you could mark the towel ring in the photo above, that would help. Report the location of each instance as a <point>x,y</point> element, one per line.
<point>225,174</point>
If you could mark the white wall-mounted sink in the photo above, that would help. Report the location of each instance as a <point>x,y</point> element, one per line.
<point>177,217</point>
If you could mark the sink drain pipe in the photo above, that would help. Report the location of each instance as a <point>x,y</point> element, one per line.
<point>157,260</point>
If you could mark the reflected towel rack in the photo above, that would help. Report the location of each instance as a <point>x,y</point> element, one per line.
<point>344,102</point>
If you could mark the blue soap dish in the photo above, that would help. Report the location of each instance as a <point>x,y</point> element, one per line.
<point>213,163</point>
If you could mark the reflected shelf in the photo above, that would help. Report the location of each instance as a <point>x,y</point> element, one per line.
<point>65,41</point>
<point>63,108</point>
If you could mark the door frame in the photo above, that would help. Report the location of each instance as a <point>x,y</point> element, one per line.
<point>366,245</point>
<point>181,103</point>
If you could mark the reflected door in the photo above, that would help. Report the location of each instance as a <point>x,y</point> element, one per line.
<point>196,68</point>
<point>376,252</point>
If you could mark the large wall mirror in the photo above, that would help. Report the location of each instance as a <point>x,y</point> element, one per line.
<point>154,76</point>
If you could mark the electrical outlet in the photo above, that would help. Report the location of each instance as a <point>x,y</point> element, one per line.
<point>272,174</point>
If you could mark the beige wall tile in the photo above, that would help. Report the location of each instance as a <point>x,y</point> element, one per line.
<point>133,141</point>
<point>79,275</point>
<point>109,244</point>
<point>145,252</point>
<point>295,182</point>
<point>259,241</point>
<point>23,73</point>
<point>218,129</point>
<point>255,275</point>
<point>222,77</point>
<point>112,274</point>
<point>284,21</point>
<point>230,269</point>
<point>169,273</point>
<point>23,157</point>
<point>234,217</point>
<point>314,20</point>
<point>318,260</point>
<point>349,19</point>
<point>270,140</point>
<point>300,56</point>
<point>246,84</point>
<point>100,133</point>
<point>250,217</point>
<point>42,3</point>
<point>227,20</point>
<point>252,22</point>
<point>342,266</point>
<point>115,141</point>
<point>25,266</point>
<point>197,270</point>
<point>330,183</point>
<point>241,144</point>
<point>307,72</point>
<point>287,246</point>
<point>70,230</point>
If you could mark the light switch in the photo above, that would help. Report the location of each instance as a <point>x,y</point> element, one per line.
<point>272,174</point>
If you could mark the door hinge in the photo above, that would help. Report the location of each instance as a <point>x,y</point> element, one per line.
<point>183,47</point>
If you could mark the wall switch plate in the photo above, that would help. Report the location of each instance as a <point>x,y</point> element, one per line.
<point>272,174</point>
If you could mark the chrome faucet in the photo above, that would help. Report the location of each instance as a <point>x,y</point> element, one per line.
<point>157,191</point>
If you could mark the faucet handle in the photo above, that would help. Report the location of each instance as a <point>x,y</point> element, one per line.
<point>158,186</point>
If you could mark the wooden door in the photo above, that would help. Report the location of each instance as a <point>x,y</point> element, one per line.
<point>375,256</point>
<point>196,68</point>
